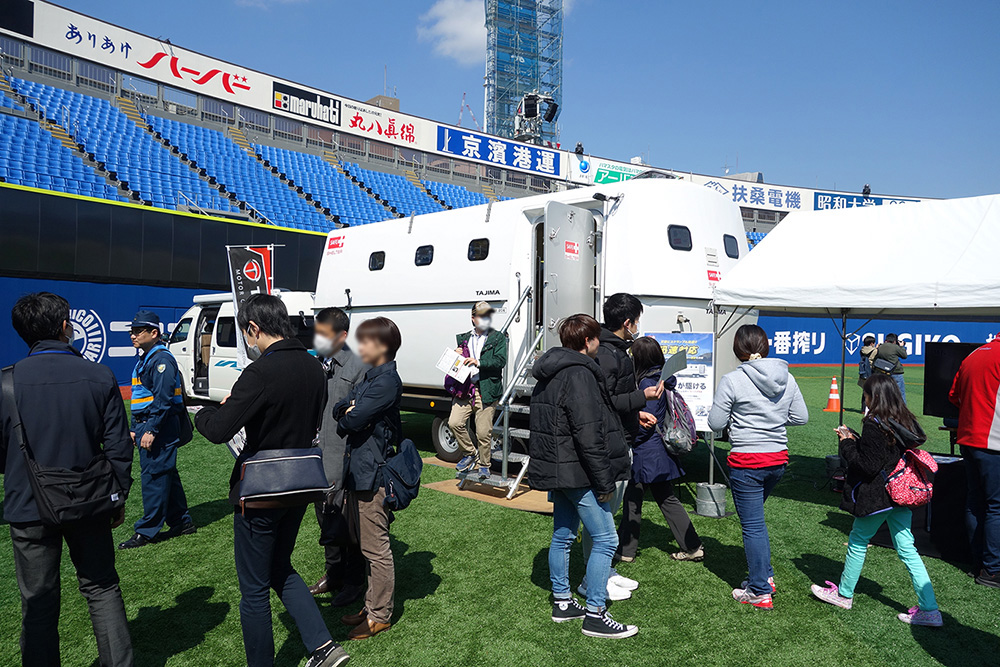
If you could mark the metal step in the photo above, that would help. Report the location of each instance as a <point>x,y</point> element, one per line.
<point>493,480</point>
<point>519,408</point>
<point>521,433</point>
<point>512,457</point>
<point>524,388</point>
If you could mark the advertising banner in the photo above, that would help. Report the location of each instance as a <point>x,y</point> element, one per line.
<point>101,315</point>
<point>498,152</point>
<point>250,273</point>
<point>816,340</point>
<point>695,383</point>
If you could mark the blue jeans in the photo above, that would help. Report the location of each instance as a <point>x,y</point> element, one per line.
<point>750,488</point>
<point>264,540</point>
<point>901,383</point>
<point>982,470</point>
<point>864,530</point>
<point>569,508</point>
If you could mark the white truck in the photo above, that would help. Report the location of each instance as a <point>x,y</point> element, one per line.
<point>537,260</point>
<point>204,341</point>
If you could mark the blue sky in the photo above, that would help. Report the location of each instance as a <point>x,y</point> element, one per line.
<point>902,95</point>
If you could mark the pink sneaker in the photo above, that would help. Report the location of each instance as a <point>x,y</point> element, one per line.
<point>746,596</point>
<point>917,616</point>
<point>831,595</point>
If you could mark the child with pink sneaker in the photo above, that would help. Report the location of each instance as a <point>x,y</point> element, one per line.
<point>889,428</point>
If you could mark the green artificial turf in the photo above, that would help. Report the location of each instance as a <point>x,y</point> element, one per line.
<point>472,582</point>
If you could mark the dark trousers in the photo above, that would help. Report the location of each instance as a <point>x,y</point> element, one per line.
<point>264,540</point>
<point>37,553</point>
<point>672,509</point>
<point>345,564</point>
<point>163,499</point>
<point>982,470</point>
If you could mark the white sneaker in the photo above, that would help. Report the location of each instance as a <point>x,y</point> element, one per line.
<point>615,593</point>
<point>622,582</point>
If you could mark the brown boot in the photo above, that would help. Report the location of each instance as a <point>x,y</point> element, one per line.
<point>320,587</point>
<point>355,619</point>
<point>368,629</point>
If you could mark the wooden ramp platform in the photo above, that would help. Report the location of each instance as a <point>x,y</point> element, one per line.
<point>525,500</point>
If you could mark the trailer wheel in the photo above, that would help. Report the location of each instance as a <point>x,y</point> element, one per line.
<point>444,441</point>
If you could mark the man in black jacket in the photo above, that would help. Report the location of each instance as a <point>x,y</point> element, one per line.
<point>578,454</point>
<point>69,407</point>
<point>279,400</point>
<point>621,325</point>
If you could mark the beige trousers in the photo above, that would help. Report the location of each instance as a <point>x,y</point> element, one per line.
<point>461,410</point>
<point>373,526</point>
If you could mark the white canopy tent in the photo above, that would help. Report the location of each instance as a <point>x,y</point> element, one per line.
<point>930,259</point>
<point>933,258</point>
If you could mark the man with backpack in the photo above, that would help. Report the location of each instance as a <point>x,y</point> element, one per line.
<point>975,391</point>
<point>887,360</point>
<point>157,414</point>
<point>72,416</point>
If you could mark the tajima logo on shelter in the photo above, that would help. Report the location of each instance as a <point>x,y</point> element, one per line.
<point>335,245</point>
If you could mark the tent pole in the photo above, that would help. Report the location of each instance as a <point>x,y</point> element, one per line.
<point>843,361</point>
<point>715,365</point>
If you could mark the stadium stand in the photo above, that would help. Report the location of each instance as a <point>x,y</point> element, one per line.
<point>399,193</point>
<point>241,174</point>
<point>31,156</point>
<point>753,238</point>
<point>455,196</point>
<point>328,186</point>
<point>128,152</point>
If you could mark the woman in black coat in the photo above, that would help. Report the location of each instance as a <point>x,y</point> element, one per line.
<point>578,453</point>
<point>369,417</point>
<point>888,430</point>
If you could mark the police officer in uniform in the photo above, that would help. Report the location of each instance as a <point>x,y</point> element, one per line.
<point>157,411</point>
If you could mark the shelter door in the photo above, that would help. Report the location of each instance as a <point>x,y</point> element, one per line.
<point>570,266</point>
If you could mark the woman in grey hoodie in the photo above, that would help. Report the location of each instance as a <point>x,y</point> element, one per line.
<point>757,401</point>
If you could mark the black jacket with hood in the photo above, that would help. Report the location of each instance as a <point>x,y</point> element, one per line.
<point>576,436</point>
<point>619,378</point>
<point>877,451</point>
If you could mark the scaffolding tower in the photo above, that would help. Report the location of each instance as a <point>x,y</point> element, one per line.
<point>523,55</point>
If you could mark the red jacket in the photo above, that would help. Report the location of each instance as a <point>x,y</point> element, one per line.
<point>974,391</point>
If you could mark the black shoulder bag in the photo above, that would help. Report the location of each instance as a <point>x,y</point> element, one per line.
<point>63,495</point>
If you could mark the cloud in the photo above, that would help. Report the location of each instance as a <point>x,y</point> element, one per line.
<point>457,30</point>
<point>267,4</point>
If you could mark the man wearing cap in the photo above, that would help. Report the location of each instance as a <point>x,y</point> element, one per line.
<point>157,411</point>
<point>485,349</point>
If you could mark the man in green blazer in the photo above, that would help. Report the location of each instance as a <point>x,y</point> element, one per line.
<point>485,348</point>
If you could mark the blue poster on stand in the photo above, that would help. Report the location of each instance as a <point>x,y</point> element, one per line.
<point>695,383</point>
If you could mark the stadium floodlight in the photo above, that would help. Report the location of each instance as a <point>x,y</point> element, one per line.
<point>529,106</point>
<point>551,111</point>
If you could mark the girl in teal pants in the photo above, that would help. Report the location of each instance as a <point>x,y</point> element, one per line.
<point>889,429</point>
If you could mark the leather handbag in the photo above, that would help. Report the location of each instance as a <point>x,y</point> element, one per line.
<point>63,495</point>
<point>274,478</point>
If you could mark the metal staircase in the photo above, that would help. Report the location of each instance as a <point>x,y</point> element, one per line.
<point>515,401</point>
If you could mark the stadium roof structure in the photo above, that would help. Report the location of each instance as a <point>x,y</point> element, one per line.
<point>927,259</point>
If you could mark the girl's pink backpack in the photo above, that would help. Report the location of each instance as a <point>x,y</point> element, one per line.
<point>911,484</point>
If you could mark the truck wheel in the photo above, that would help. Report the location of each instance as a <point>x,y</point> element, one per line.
<point>444,441</point>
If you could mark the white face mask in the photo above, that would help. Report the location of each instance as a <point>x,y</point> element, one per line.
<point>70,333</point>
<point>483,323</point>
<point>630,333</point>
<point>253,351</point>
<point>323,345</point>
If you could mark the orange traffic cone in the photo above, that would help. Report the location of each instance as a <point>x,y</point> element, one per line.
<point>833,403</point>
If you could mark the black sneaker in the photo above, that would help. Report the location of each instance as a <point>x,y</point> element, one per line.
<point>986,579</point>
<point>600,624</point>
<point>331,655</point>
<point>135,542</point>
<point>567,610</point>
